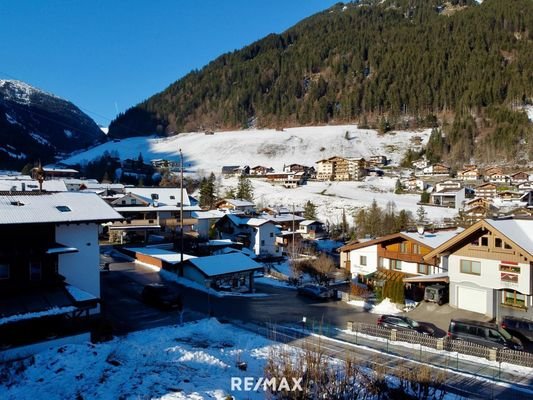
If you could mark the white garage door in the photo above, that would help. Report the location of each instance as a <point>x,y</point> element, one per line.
<point>472,299</point>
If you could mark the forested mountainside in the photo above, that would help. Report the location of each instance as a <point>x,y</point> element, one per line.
<point>391,63</point>
<point>35,125</point>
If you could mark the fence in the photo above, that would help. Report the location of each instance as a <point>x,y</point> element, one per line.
<point>500,355</point>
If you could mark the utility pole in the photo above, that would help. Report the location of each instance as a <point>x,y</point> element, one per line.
<point>293,236</point>
<point>181,213</point>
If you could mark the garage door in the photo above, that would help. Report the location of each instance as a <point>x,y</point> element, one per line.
<point>472,299</point>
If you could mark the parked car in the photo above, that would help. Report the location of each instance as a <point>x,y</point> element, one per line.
<point>404,323</point>
<point>316,292</point>
<point>436,294</point>
<point>483,333</point>
<point>161,295</point>
<point>519,327</point>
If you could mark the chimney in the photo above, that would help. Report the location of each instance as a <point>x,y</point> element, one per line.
<point>23,186</point>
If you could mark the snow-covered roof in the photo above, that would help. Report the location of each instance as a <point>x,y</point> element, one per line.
<point>308,222</point>
<point>278,218</point>
<point>433,239</point>
<point>166,196</point>
<point>54,207</point>
<point>211,214</point>
<point>239,219</point>
<point>79,295</point>
<point>257,221</point>
<point>224,264</point>
<point>61,170</point>
<point>37,314</point>
<point>519,231</point>
<point>32,185</point>
<point>170,257</point>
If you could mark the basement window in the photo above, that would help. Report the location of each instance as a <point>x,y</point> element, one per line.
<point>63,208</point>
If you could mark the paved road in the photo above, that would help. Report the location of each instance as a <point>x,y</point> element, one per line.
<point>122,285</point>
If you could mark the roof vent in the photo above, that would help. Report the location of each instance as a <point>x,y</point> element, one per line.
<point>17,203</point>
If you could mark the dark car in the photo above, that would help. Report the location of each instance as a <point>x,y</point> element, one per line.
<point>161,295</point>
<point>520,327</point>
<point>404,323</point>
<point>316,292</point>
<point>483,333</point>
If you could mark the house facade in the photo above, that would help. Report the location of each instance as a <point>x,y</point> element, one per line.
<point>151,210</point>
<point>341,169</point>
<point>486,190</point>
<point>49,264</point>
<point>469,174</point>
<point>403,252</point>
<point>256,234</point>
<point>490,267</point>
<point>453,198</point>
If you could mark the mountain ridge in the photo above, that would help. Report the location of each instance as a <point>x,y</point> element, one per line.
<point>387,64</point>
<point>36,125</point>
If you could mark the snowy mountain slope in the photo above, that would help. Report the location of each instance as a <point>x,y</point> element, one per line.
<point>38,125</point>
<point>305,145</point>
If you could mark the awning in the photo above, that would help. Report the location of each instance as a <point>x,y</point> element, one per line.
<point>58,248</point>
<point>443,278</point>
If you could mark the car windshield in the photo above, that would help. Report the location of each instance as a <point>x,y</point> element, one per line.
<point>505,334</point>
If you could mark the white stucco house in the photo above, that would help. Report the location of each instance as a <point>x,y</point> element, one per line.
<point>256,234</point>
<point>490,267</point>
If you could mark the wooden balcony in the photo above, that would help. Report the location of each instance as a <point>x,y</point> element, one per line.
<point>407,257</point>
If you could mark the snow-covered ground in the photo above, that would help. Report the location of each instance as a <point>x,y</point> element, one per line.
<point>204,154</point>
<point>332,198</point>
<point>193,361</point>
<point>196,361</point>
<point>305,145</point>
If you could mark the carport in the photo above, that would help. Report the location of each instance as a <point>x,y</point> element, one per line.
<point>415,285</point>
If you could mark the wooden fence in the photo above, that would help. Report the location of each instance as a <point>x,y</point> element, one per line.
<point>494,354</point>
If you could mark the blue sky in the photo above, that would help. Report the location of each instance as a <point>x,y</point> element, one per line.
<point>108,55</point>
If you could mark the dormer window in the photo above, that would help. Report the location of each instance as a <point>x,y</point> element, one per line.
<point>63,209</point>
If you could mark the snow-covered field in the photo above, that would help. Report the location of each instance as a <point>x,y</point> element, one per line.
<point>193,361</point>
<point>271,148</point>
<point>331,198</point>
<point>307,145</point>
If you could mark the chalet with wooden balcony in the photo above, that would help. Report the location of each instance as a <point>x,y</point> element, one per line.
<point>490,267</point>
<point>469,174</point>
<point>49,266</point>
<point>402,252</point>
<point>519,177</point>
<point>486,190</point>
<point>152,210</point>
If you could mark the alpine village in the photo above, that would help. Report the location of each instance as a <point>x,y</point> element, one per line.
<point>343,210</point>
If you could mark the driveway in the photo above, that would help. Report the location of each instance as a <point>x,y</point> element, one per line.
<point>122,284</point>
